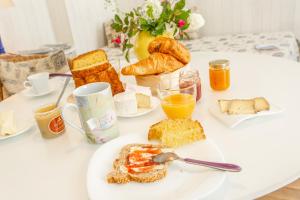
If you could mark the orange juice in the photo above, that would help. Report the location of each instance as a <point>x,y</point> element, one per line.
<point>179,105</point>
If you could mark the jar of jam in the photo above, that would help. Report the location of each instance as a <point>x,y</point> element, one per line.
<point>188,78</point>
<point>49,121</point>
<point>219,75</point>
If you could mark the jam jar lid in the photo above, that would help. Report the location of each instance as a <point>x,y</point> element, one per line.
<point>219,64</point>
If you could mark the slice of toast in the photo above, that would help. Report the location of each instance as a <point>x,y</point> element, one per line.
<point>82,61</point>
<point>261,104</point>
<point>177,132</point>
<point>241,107</point>
<point>126,168</point>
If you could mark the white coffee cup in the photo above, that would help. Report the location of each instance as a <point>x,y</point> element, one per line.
<point>38,83</point>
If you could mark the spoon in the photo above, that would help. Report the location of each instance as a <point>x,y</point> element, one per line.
<point>170,156</point>
<point>63,90</point>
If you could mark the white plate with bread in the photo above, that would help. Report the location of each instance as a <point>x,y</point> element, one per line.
<point>182,181</point>
<point>235,111</point>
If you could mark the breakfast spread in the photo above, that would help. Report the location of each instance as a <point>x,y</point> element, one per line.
<point>7,123</point>
<point>94,67</point>
<point>176,133</point>
<point>49,121</point>
<point>244,106</point>
<point>135,164</point>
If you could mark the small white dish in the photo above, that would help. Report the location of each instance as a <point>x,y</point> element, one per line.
<point>142,111</point>
<point>234,120</point>
<point>183,181</point>
<point>22,127</point>
<point>28,92</point>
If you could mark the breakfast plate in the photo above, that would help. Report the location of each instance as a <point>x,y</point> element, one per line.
<point>143,111</point>
<point>234,120</point>
<point>22,127</point>
<point>29,93</point>
<point>183,181</point>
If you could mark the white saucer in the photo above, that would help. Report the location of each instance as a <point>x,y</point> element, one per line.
<point>29,93</point>
<point>143,111</point>
<point>22,127</point>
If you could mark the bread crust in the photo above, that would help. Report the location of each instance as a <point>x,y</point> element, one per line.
<point>120,177</point>
<point>156,63</point>
<point>170,46</point>
<point>82,56</point>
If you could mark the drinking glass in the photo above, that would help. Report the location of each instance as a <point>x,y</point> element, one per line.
<point>177,101</point>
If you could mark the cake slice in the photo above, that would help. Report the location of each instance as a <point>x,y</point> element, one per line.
<point>135,164</point>
<point>177,132</point>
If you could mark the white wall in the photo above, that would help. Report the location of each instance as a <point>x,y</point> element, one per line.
<point>27,25</point>
<point>297,20</point>
<point>32,23</point>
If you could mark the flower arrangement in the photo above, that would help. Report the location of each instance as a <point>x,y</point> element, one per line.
<point>156,17</point>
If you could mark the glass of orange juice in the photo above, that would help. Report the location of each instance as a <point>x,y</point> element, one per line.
<point>177,101</point>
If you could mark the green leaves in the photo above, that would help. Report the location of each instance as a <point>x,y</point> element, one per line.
<point>139,20</point>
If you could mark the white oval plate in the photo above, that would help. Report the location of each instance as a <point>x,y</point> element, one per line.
<point>143,111</point>
<point>183,181</point>
<point>22,127</point>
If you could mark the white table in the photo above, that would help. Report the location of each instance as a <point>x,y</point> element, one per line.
<point>268,148</point>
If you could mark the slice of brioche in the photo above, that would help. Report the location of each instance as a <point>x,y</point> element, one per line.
<point>90,58</point>
<point>177,132</point>
<point>120,174</point>
<point>241,107</point>
<point>261,104</point>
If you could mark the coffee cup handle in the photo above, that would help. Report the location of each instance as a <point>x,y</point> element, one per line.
<point>63,113</point>
<point>27,84</point>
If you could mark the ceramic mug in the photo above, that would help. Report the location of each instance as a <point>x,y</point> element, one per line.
<point>38,83</point>
<point>95,105</point>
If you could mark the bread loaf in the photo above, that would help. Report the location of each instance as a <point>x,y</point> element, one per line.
<point>94,67</point>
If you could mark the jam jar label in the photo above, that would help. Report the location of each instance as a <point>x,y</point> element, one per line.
<point>56,125</point>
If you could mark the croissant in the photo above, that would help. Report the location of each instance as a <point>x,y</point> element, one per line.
<point>170,46</point>
<point>156,63</point>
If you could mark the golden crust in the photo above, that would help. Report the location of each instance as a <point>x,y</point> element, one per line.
<point>170,46</point>
<point>156,63</point>
<point>86,56</point>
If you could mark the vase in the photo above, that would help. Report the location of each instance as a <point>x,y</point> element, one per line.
<point>143,39</point>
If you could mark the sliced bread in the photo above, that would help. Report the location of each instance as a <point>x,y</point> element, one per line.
<point>135,164</point>
<point>177,132</point>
